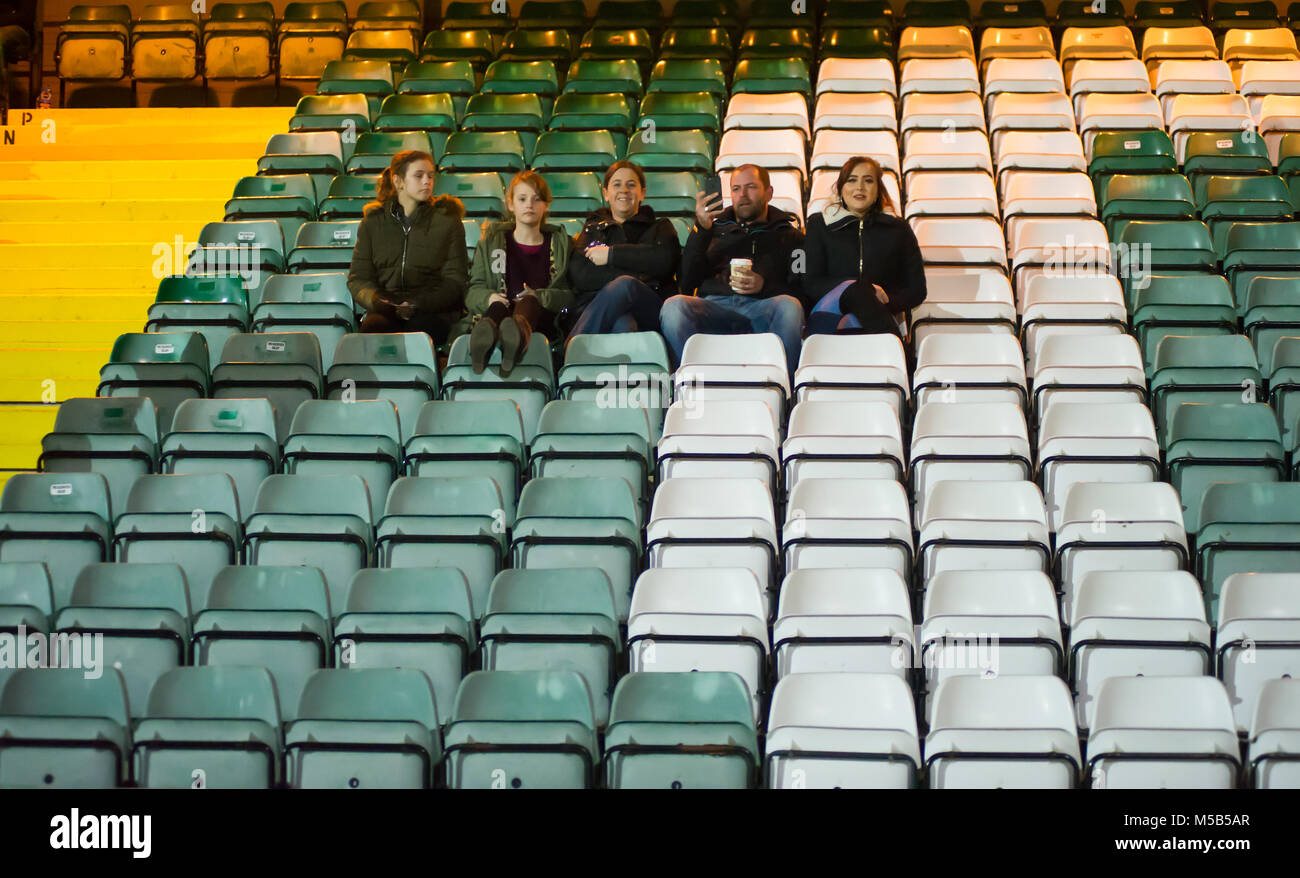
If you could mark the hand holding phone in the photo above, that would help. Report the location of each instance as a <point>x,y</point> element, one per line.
<point>708,204</point>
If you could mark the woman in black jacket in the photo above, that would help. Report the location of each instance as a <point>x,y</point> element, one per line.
<point>864,265</point>
<point>624,260</point>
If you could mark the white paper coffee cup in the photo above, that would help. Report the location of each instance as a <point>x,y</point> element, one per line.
<point>739,266</point>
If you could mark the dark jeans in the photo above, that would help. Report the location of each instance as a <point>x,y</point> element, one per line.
<point>436,325</point>
<point>624,304</point>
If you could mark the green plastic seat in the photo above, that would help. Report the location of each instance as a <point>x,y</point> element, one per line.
<point>167,367</point>
<point>1086,13</point>
<point>766,75</point>
<point>307,303</point>
<point>463,15</point>
<point>117,438</point>
<point>470,438</point>
<point>776,42</point>
<point>476,151</point>
<point>396,47</point>
<point>1225,442</point>
<point>502,112</point>
<point>1271,312</point>
<point>1132,152</point>
<point>63,729</point>
<point>142,611</point>
<point>936,13</point>
<point>474,45</point>
<point>455,78</point>
<point>681,731</point>
<point>531,384</point>
<point>1283,384</point>
<point>705,13</point>
<point>544,14</point>
<point>546,620</point>
<point>522,730</point>
<point>580,522</point>
<point>289,525</point>
<point>356,77</point>
<point>858,13</point>
<point>289,199</point>
<point>364,729</point>
<point>400,367</point>
<point>1175,13</point>
<point>775,13</point>
<point>627,368</point>
<point>236,437</point>
<point>416,112</point>
<point>243,246</point>
<point>689,75</point>
<point>458,522</point>
<point>1225,152</point>
<point>696,42</point>
<point>672,193</point>
<point>213,307</point>
<point>336,438</point>
<point>678,111</point>
<point>593,112</point>
<point>273,617</point>
<point>1288,155</point>
<point>617,42</point>
<point>672,151</point>
<point>323,246</point>
<point>1208,369</point>
<point>374,15</point>
<point>1145,196</point>
<point>482,194</point>
<point>1181,303</point>
<point>349,194</point>
<point>1223,197</point>
<point>617,13</point>
<point>285,367</point>
<point>310,35</point>
<point>856,42</point>
<point>521,77</point>
<point>26,598</point>
<point>538,45</point>
<point>1246,527</point>
<point>158,526</point>
<point>93,43</point>
<point>1254,249</point>
<point>322,154</point>
<point>409,617</point>
<point>1004,13</point>
<point>578,438</point>
<point>574,193</point>
<point>575,151</point>
<point>1175,244</point>
<point>225,719</point>
<point>604,76</point>
<point>1250,15</point>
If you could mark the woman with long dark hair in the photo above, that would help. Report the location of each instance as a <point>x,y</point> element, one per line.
<point>864,265</point>
<point>409,267</point>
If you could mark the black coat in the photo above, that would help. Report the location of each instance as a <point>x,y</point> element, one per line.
<point>706,259</point>
<point>644,246</point>
<point>877,249</point>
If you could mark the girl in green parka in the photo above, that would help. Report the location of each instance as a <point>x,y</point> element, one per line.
<point>409,265</point>
<point>519,279</point>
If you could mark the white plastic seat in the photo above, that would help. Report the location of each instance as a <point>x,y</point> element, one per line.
<point>842,440</point>
<point>857,76</point>
<point>833,147</point>
<point>818,722</point>
<point>959,367</point>
<point>1076,305</point>
<point>1101,112</point>
<point>989,624</point>
<point>971,242</point>
<point>1068,246</point>
<point>1114,76</point>
<point>939,75</point>
<point>955,193</point>
<point>844,619</point>
<point>1085,369</point>
<point>1126,624</point>
<point>997,43</point>
<point>848,523</point>
<point>1188,113</point>
<point>700,620</point>
<point>859,368</point>
<point>822,191</point>
<point>1275,736</point>
<point>946,151</point>
<point>1040,151</point>
<point>1263,44</point>
<point>1049,111</point>
<point>866,112</point>
<point>988,441</point>
<point>782,110</point>
<point>1186,43</point>
<point>1117,526</point>
<point>1046,193</point>
<point>1277,116</point>
<point>708,522</point>
<point>1028,721</point>
<point>742,366</point>
<point>935,42</point>
<point>787,191</point>
<point>1258,636</point>
<point>725,438</point>
<point>773,149</point>
<point>957,301</point>
<point>1099,43</point>
<point>942,112</point>
<point>978,525</point>
<point>1185,720</point>
<point>1022,76</point>
<point>1262,78</point>
<point>1175,78</point>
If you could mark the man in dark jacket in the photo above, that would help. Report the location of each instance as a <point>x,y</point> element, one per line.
<point>716,299</point>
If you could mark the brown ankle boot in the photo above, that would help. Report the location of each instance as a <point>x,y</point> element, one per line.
<point>482,338</point>
<point>515,333</point>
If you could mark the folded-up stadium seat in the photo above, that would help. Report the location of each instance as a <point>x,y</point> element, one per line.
<point>1246,527</point>
<point>1258,639</point>
<point>1274,734</point>
<point>214,307</point>
<point>115,437</point>
<point>531,384</point>
<point>284,367</point>
<point>841,523</point>
<point>62,519</point>
<point>338,438</point>
<point>167,367</point>
<point>232,436</point>
<point>979,525</point>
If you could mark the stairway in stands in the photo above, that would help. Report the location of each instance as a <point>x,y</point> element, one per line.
<point>90,202</point>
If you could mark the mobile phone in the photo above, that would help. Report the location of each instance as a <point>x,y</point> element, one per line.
<point>712,187</point>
